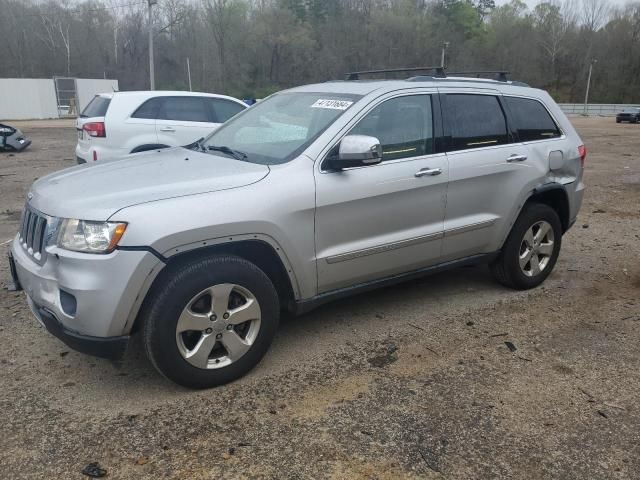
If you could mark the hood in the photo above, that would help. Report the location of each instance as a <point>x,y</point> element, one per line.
<point>95,192</point>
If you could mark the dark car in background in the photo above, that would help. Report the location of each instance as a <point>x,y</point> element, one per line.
<point>631,115</point>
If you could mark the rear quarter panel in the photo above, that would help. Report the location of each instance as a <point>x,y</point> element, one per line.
<point>570,173</point>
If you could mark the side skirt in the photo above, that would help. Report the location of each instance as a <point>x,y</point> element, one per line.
<point>304,306</point>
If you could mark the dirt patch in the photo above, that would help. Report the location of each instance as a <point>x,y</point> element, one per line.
<point>385,354</point>
<point>316,402</point>
<point>359,469</point>
<point>11,215</point>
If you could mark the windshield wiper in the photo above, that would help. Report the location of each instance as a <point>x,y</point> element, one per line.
<point>237,154</point>
<point>197,145</point>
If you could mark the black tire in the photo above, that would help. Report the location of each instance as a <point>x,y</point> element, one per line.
<point>618,121</point>
<point>506,268</point>
<point>166,302</point>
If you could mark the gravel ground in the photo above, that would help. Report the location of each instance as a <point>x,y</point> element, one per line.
<point>413,381</point>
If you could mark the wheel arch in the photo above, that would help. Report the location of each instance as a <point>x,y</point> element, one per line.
<point>255,250</point>
<point>555,196</point>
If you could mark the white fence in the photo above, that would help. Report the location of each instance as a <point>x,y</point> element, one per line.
<point>33,98</point>
<point>602,109</point>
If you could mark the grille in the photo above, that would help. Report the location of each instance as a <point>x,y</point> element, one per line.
<point>32,233</point>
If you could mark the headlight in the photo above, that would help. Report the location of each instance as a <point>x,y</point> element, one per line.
<point>90,237</point>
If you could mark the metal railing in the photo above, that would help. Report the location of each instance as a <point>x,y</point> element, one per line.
<point>598,109</point>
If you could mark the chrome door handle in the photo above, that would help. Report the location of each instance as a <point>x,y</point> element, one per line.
<point>167,129</point>
<point>432,172</point>
<point>516,158</point>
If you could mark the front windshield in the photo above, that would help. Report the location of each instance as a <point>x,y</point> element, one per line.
<point>280,127</point>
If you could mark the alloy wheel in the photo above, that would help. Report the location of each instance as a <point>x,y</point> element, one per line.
<point>536,248</point>
<point>218,326</point>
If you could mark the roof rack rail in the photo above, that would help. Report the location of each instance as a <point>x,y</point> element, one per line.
<point>500,75</point>
<point>439,72</point>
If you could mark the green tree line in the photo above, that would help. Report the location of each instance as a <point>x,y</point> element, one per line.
<point>249,48</point>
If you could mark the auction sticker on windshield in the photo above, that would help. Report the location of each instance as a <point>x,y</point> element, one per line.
<point>333,104</point>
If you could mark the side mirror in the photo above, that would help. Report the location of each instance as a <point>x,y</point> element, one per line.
<point>356,151</point>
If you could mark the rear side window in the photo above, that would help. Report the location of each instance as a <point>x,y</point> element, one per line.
<point>223,110</point>
<point>97,107</point>
<point>532,120</point>
<point>476,121</point>
<point>403,125</point>
<point>187,109</point>
<point>148,109</point>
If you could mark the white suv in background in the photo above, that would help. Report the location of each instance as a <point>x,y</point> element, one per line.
<point>116,124</point>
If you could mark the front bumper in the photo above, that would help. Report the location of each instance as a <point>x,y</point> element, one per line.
<point>86,298</point>
<point>19,144</point>
<point>16,142</point>
<point>105,347</point>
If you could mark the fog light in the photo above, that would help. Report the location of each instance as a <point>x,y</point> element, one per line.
<point>68,303</point>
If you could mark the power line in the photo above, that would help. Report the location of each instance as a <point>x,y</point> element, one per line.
<point>82,10</point>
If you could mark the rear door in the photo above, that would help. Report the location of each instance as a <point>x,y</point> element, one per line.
<point>140,128</point>
<point>379,220</point>
<point>183,120</point>
<point>488,172</point>
<point>224,109</point>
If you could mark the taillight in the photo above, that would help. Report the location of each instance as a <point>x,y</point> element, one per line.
<point>582,151</point>
<point>95,129</point>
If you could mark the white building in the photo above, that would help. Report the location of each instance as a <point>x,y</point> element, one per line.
<point>31,98</point>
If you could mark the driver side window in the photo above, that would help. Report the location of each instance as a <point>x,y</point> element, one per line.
<point>404,126</point>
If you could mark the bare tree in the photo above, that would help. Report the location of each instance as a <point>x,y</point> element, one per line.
<point>594,14</point>
<point>66,40</point>
<point>253,47</point>
<point>217,17</point>
<point>173,14</point>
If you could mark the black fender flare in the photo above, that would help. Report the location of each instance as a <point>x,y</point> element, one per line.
<point>555,195</point>
<point>148,146</point>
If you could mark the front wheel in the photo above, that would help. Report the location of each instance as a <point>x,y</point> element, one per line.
<point>531,250</point>
<point>211,321</point>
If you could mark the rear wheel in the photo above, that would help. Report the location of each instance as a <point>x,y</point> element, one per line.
<point>531,250</point>
<point>210,322</point>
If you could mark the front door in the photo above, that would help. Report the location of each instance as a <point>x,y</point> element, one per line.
<point>381,220</point>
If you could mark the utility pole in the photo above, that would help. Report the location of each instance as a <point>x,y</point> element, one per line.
<point>189,74</point>
<point>152,80</point>
<point>115,42</point>
<point>586,94</point>
<point>445,45</point>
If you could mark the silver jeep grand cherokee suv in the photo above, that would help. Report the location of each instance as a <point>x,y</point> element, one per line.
<point>315,193</point>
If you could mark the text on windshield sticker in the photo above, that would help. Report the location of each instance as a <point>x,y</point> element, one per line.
<point>333,104</point>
